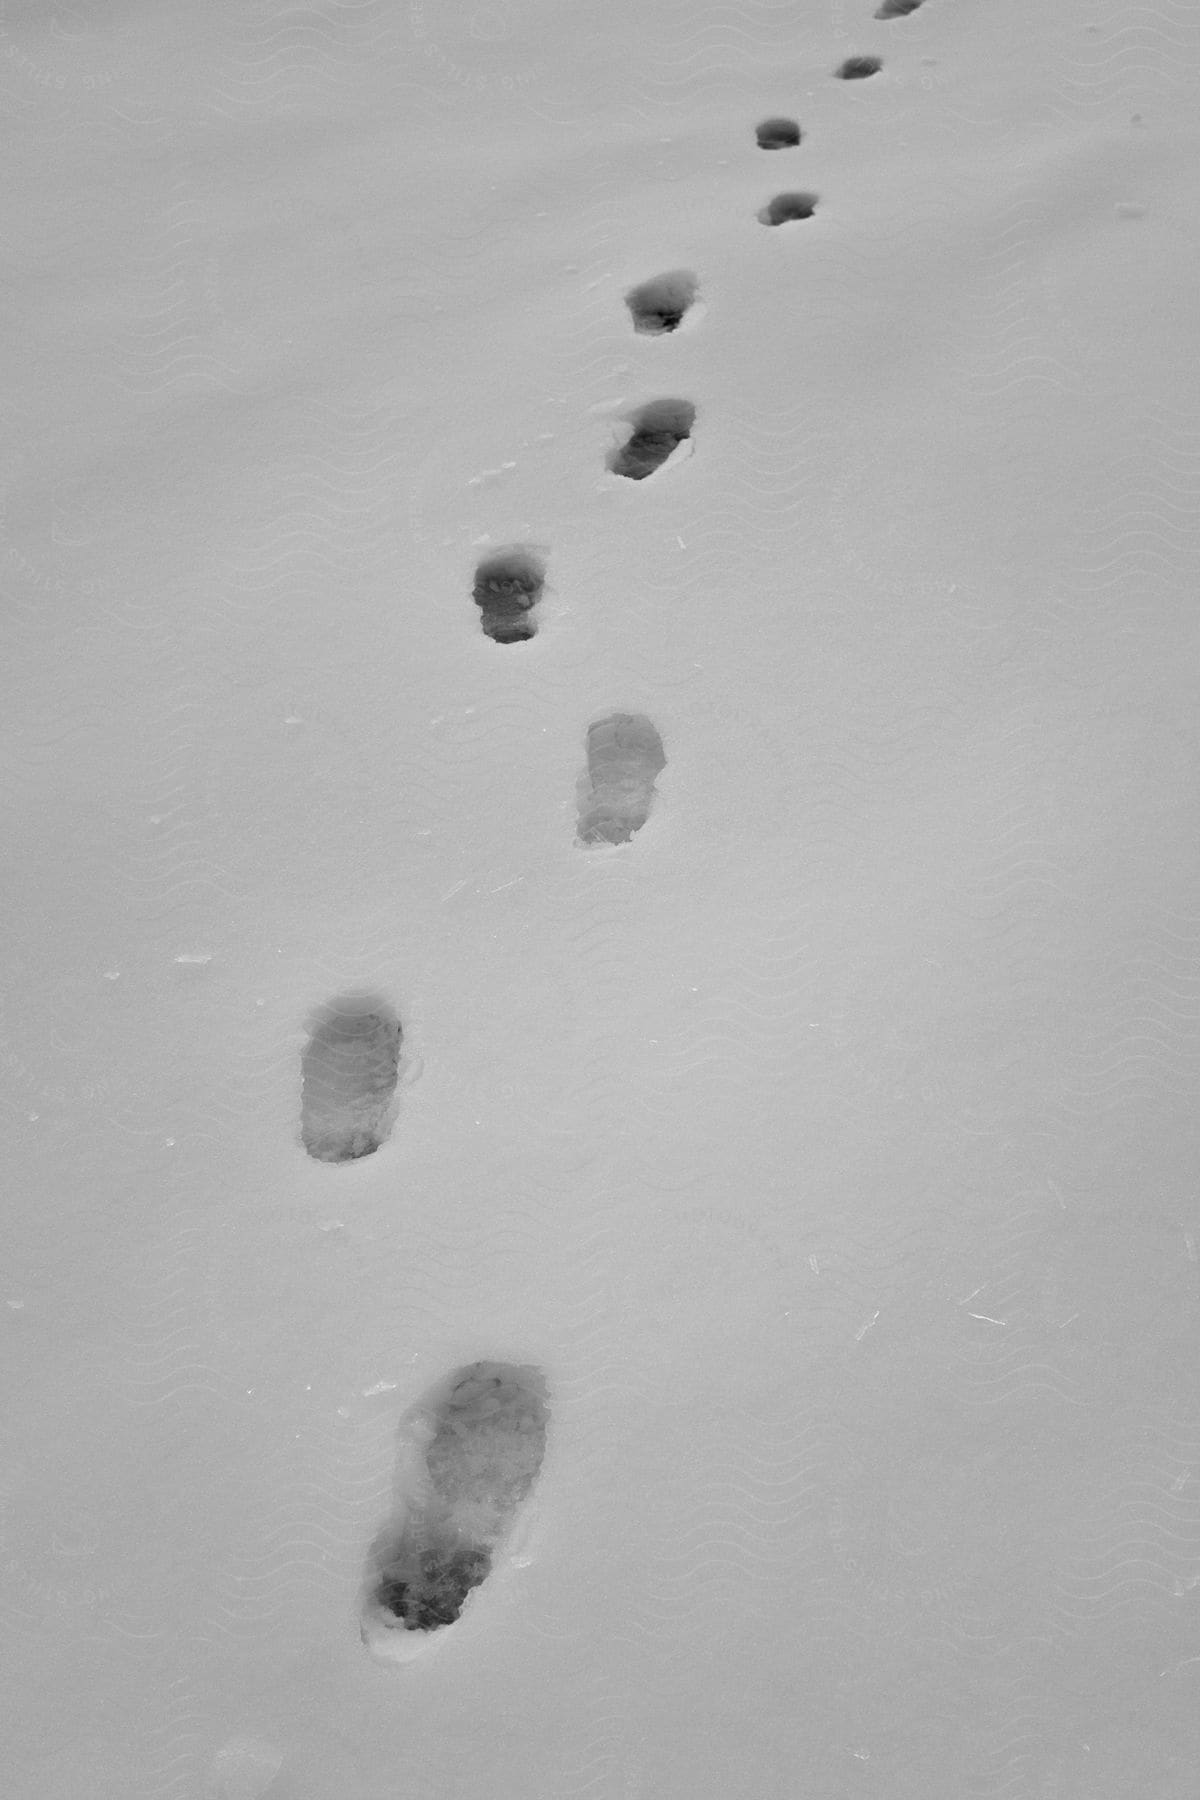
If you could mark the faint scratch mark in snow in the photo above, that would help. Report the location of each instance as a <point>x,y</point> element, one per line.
<point>488,477</point>
<point>244,1768</point>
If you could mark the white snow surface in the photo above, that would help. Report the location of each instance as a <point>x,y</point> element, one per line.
<point>831,1146</point>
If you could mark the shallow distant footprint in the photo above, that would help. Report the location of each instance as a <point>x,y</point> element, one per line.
<point>616,790</point>
<point>661,304</point>
<point>777,134</point>
<point>785,207</point>
<point>474,1454</point>
<point>859,68</point>
<point>658,428</point>
<point>348,1079</point>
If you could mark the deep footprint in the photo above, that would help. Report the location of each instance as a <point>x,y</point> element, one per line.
<point>659,305</point>
<point>484,1453</point>
<point>508,585</point>
<point>616,791</point>
<point>777,134</point>
<point>657,429</point>
<point>348,1079</point>
<point>785,207</point>
<point>858,68</point>
<point>896,9</point>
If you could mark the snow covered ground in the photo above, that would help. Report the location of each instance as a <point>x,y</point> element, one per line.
<point>830,1144</point>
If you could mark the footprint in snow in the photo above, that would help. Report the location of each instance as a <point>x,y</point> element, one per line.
<point>349,1072</point>
<point>474,1450</point>
<point>616,790</point>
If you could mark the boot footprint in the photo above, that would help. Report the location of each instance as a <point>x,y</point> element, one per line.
<point>482,1442</point>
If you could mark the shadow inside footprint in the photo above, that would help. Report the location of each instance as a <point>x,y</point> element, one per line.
<point>426,1588</point>
<point>896,9</point>
<point>777,134</point>
<point>485,1440</point>
<point>616,790</point>
<point>659,305</point>
<point>349,1072</point>
<point>658,428</point>
<point>785,207</point>
<point>508,585</point>
<point>858,68</point>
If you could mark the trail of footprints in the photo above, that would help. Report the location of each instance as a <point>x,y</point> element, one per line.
<point>472,1449</point>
